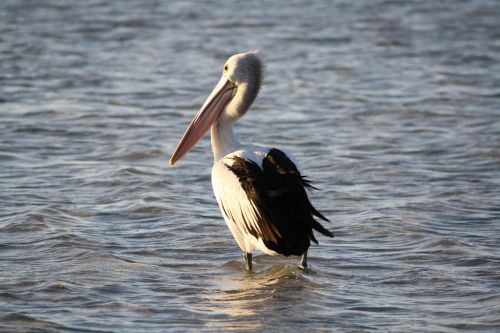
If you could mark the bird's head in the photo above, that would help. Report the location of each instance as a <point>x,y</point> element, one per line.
<point>230,99</point>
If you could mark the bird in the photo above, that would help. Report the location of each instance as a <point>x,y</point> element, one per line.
<point>261,191</point>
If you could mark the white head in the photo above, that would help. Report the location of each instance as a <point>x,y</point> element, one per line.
<point>244,70</point>
<point>230,99</point>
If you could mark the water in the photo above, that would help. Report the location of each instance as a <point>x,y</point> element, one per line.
<point>393,108</point>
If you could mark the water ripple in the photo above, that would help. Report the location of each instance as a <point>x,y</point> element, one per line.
<point>391,107</point>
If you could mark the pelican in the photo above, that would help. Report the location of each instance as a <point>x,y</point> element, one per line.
<point>260,190</point>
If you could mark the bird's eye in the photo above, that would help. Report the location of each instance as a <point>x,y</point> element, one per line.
<point>226,67</point>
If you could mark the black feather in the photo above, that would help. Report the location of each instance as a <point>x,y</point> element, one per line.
<point>278,191</point>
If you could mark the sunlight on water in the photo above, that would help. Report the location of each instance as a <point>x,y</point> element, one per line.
<point>392,108</point>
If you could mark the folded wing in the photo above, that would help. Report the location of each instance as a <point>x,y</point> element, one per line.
<point>266,198</point>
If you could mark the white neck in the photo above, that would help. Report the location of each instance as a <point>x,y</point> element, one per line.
<point>223,139</point>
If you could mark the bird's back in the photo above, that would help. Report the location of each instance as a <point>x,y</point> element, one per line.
<point>262,196</point>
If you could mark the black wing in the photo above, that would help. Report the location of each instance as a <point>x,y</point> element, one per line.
<point>286,216</point>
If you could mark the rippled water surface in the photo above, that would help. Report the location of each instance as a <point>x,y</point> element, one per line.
<point>393,108</point>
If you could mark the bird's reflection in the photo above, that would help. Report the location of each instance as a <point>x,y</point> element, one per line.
<point>239,296</point>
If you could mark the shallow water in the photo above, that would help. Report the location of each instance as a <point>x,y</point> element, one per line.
<point>392,108</point>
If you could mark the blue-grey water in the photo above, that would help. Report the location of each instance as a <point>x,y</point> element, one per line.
<point>393,108</point>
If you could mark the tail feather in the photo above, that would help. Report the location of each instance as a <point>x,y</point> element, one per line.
<point>319,228</point>
<point>318,214</point>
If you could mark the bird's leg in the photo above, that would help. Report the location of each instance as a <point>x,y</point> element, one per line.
<point>303,263</point>
<point>248,261</point>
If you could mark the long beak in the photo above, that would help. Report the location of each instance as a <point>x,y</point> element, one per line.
<point>209,112</point>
